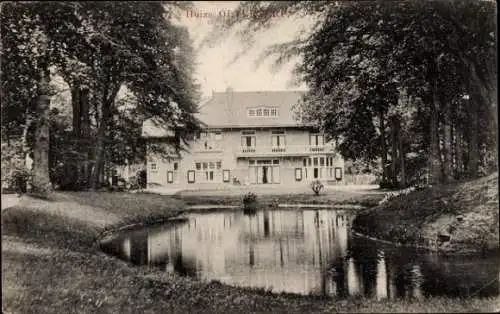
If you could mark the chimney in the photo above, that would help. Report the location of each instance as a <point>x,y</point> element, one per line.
<point>229,101</point>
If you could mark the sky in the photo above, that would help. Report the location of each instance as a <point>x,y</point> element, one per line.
<point>214,72</point>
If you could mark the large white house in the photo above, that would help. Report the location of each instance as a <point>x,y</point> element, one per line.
<point>249,138</point>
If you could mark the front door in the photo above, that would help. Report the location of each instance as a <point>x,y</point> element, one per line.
<point>264,172</point>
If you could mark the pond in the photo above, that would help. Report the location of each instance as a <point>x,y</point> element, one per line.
<point>301,251</point>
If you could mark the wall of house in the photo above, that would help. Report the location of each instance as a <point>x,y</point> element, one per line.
<point>211,153</point>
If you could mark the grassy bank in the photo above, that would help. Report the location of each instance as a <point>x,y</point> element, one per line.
<point>332,198</point>
<point>457,218</point>
<point>50,264</point>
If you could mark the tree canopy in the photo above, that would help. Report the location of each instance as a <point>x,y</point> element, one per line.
<point>99,49</point>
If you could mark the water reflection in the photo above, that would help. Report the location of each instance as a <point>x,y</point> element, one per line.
<point>308,251</point>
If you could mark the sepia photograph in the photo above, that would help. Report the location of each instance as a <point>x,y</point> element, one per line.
<point>249,156</point>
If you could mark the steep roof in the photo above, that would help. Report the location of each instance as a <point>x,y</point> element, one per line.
<point>229,109</point>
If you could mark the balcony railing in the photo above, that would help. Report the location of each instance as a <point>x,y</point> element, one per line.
<point>248,149</point>
<point>316,149</point>
<point>284,150</point>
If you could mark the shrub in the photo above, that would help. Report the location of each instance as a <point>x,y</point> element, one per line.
<point>392,195</point>
<point>18,180</point>
<point>317,186</point>
<point>249,198</point>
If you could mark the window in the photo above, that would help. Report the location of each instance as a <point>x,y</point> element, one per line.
<point>226,175</point>
<point>264,162</point>
<point>316,173</point>
<point>248,141</point>
<point>198,166</point>
<point>209,175</point>
<point>298,174</point>
<point>315,161</point>
<point>251,162</point>
<point>190,176</point>
<point>176,166</point>
<point>219,164</point>
<point>278,138</point>
<point>262,112</point>
<point>170,177</point>
<point>316,140</point>
<point>309,162</point>
<point>211,165</point>
<point>153,166</point>
<point>322,161</point>
<point>327,161</point>
<point>276,162</point>
<point>205,166</point>
<point>305,162</point>
<point>338,173</point>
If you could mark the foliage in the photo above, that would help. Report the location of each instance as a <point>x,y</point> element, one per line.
<point>249,198</point>
<point>18,180</point>
<point>391,195</point>
<point>99,48</point>
<point>468,211</point>
<point>316,186</point>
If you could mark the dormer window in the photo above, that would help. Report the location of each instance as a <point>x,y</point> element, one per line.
<point>262,112</point>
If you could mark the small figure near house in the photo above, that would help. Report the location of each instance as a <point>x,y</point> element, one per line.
<point>236,181</point>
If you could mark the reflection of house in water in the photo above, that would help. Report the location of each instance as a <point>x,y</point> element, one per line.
<point>299,251</point>
<point>381,281</point>
<point>284,250</point>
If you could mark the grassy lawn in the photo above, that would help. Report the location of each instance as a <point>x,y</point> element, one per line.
<point>50,264</point>
<point>338,197</point>
<point>466,212</point>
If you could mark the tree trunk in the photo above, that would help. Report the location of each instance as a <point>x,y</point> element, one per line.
<point>434,158</point>
<point>106,115</point>
<point>75,103</point>
<point>85,133</point>
<point>447,148</point>
<point>394,152</point>
<point>99,149</point>
<point>41,175</point>
<point>81,129</point>
<point>473,145</point>
<point>458,155</point>
<point>401,153</point>
<point>383,146</point>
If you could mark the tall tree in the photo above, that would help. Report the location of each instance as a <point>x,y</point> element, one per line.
<point>98,47</point>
